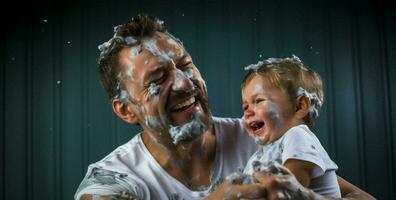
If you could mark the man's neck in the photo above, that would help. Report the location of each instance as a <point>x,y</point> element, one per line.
<point>189,162</point>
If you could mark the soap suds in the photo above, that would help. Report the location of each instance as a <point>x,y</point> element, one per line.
<point>189,130</point>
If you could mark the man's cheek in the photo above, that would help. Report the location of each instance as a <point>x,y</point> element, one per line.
<point>200,83</point>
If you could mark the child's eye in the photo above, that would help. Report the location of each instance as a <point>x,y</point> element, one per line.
<point>259,100</point>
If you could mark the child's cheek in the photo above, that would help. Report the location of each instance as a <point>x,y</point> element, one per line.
<point>246,127</point>
<point>272,115</point>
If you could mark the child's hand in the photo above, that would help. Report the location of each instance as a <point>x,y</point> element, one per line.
<point>280,183</point>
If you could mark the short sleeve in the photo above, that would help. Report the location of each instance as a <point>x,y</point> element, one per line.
<point>104,182</point>
<point>301,144</point>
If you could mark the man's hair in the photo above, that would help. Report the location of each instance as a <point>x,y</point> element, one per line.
<point>129,34</point>
<point>292,77</point>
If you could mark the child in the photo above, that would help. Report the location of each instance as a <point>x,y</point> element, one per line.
<point>281,99</point>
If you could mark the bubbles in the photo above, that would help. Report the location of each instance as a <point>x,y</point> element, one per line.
<point>238,177</point>
<point>151,45</point>
<point>171,54</point>
<point>316,102</point>
<point>258,88</point>
<point>122,95</point>
<point>189,130</point>
<point>153,121</point>
<point>254,67</point>
<point>154,89</point>
<point>134,52</point>
<point>130,40</point>
<point>269,61</point>
<point>188,73</point>
<point>130,72</point>
<point>104,46</point>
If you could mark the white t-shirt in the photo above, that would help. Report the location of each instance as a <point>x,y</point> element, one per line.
<point>131,169</point>
<point>300,143</point>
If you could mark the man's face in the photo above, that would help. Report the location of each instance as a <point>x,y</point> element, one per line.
<point>164,86</point>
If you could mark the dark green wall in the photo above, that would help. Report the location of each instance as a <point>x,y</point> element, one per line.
<point>56,119</point>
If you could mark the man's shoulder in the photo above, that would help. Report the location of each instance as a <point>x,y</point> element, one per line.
<point>226,121</point>
<point>229,126</point>
<point>125,154</point>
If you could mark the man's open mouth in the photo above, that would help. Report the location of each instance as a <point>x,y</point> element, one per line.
<point>184,105</point>
<point>256,125</point>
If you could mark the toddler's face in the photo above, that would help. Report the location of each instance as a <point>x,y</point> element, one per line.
<point>267,110</point>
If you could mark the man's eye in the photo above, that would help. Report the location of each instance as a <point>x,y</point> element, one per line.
<point>160,80</point>
<point>184,66</point>
<point>157,81</point>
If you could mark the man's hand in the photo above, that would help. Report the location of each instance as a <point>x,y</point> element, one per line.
<point>235,189</point>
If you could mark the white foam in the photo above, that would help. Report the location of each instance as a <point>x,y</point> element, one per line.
<point>154,89</point>
<point>189,130</point>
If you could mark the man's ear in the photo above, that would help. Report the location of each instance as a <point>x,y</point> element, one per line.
<point>125,111</point>
<point>302,106</point>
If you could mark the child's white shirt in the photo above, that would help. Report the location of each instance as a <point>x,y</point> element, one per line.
<point>301,144</point>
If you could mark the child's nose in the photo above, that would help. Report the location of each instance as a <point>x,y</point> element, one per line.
<point>248,113</point>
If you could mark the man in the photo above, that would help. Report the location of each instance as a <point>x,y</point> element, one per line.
<point>183,152</point>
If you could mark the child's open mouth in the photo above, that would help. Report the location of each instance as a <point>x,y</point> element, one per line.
<point>256,125</point>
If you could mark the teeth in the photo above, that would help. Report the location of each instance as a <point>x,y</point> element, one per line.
<point>184,103</point>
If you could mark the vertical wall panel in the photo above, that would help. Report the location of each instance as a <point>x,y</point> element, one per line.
<point>389,61</point>
<point>15,165</point>
<point>70,84</point>
<point>43,114</point>
<point>216,34</point>
<point>372,103</point>
<point>2,109</point>
<point>358,91</point>
<point>98,122</point>
<point>240,53</point>
<point>343,91</point>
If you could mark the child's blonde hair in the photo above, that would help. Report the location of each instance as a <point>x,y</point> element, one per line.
<point>292,77</point>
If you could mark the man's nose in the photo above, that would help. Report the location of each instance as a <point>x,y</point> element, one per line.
<point>182,82</point>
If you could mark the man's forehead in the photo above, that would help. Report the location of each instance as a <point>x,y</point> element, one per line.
<point>155,50</point>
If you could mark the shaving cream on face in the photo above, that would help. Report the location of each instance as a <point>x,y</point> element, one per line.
<point>189,130</point>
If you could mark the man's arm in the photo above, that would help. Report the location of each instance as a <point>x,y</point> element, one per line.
<point>94,197</point>
<point>280,183</point>
<point>350,191</point>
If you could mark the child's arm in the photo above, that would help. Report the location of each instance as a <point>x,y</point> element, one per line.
<point>302,170</point>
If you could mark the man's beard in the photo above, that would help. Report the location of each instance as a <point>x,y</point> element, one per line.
<point>201,122</point>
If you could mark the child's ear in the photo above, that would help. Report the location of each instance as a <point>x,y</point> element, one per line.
<point>125,111</point>
<point>302,106</point>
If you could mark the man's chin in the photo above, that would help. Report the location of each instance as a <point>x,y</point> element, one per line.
<point>192,129</point>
